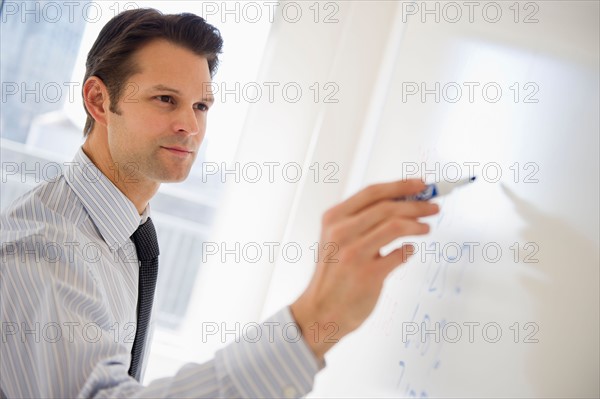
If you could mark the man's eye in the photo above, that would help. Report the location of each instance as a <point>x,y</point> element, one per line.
<point>202,107</point>
<point>165,99</point>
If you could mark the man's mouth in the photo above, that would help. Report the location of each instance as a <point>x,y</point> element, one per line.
<point>182,151</point>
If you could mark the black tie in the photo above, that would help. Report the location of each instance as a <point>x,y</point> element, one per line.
<point>146,246</point>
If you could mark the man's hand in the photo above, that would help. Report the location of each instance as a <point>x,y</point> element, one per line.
<point>350,272</point>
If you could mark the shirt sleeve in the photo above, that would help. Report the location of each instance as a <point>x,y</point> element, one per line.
<point>58,340</point>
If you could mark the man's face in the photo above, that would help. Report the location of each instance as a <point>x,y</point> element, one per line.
<point>163,111</point>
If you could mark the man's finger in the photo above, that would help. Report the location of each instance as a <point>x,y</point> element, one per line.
<point>373,194</point>
<point>388,231</point>
<point>367,220</point>
<point>397,257</point>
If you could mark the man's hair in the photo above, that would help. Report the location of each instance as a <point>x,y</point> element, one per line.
<point>111,56</point>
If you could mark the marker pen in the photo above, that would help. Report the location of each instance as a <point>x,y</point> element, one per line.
<point>436,190</point>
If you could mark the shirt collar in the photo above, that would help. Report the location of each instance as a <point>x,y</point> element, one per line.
<point>115,216</point>
<point>145,215</point>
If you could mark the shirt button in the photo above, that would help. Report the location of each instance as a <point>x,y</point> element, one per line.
<point>290,392</point>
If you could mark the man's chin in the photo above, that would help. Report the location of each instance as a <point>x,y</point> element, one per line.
<point>172,176</point>
<point>175,179</point>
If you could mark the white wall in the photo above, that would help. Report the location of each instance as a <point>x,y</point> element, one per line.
<point>550,209</point>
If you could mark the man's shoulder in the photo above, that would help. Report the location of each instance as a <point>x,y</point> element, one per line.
<point>50,209</point>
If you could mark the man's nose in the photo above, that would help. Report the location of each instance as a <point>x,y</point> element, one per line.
<point>187,120</point>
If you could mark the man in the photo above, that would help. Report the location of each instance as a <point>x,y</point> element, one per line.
<point>66,313</point>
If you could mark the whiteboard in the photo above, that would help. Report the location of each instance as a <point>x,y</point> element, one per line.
<point>502,299</point>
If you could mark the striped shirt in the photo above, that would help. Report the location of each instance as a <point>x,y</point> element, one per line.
<point>69,280</point>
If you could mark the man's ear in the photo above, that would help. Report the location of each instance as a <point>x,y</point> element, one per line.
<point>95,98</point>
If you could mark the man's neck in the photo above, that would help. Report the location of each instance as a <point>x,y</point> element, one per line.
<point>137,189</point>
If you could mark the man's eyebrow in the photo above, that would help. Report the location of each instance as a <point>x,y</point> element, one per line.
<point>209,98</point>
